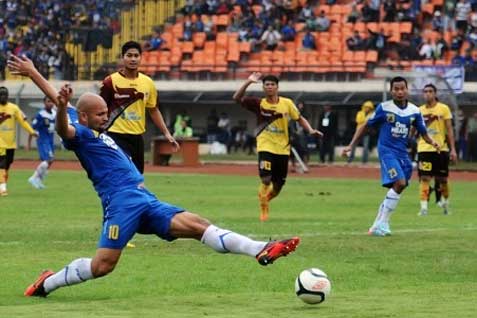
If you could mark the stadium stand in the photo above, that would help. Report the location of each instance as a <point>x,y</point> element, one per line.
<point>216,39</point>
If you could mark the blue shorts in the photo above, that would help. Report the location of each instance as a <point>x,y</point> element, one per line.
<point>46,151</point>
<point>395,168</point>
<point>132,211</point>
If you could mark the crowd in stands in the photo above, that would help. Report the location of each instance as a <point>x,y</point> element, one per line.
<point>440,32</point>
<point>39,29</point>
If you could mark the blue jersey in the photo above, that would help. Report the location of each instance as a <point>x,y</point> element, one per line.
<point>44,124</point>
<point>72,114</point>
<point>394,125</point>
<point>107,166</point>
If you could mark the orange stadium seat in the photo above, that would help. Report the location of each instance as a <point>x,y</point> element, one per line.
<point>187,47</point>
<point>198,39</point>
<point>176,56</point>
<point>372,56</point>
<point>245,47</point>
<point>222,40</point>
<point>223,20</point>
<point>178,30</point>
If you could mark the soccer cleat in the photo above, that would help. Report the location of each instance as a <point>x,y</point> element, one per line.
<point>422,212</point>
<point>37,289</point>
<point>444,204</point>
<point>277,249</point>
<point>385,229</point>
<point>130,245</point>
<point>3,193</point>
<point>376,231</point>
<point>35,182</point>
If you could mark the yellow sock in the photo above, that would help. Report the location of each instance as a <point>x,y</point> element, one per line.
<point>424,190</point>
<point>445,190</point>
<point>3,176</point>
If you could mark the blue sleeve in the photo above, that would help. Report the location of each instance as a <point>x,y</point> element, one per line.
<point>420,124</point>
<point>377,118</point>
<point>81,133</point>
<point>37,121</point>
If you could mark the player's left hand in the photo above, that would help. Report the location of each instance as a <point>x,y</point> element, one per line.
<point>174,143</point>
<point>453,156</point>
<point>35,134</point>
<point>20,65</point>
<point>316,132</point>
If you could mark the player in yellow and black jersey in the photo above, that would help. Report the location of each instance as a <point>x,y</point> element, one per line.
<point>273,114</point>
<point>433,163</point>
<point>135,94</point>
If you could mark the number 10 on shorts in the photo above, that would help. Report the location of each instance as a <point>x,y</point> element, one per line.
<point>113,233</point>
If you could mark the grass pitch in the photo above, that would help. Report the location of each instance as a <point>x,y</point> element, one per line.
<point>426,269</point>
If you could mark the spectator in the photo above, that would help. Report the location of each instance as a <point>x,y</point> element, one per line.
<point>155,42</point>
<point>224,129</point>
<point>441,47</point>
<point>184,130</point>
<point>288,31</point>
<point>361,119</point>
<point>472,38</point>
<point>328,125</point>
<point>306,13</point>
<point>198,25</point>
<point>308,41</point>
<point>374,6</point>
<point>462,11</point>
<point>390,10</point>
<point>322,23</point>
<point>271,37</point>
<point>3,64</point>
<point>468,59</point>
<point>426,51</point>
<point>457,59</point>
<point>298,139</point>
<point>223,7</point>
<point>354,15</point>
<point>378,41</point>
<point>212,127</point>
<point>355,42</point>
<point>472,137</point>
<point>457,40</point>
<point>437,22</point>
<point>473,18</point>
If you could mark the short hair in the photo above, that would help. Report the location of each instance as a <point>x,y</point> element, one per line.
<point>434,88</point>
<point>3,88</point>
<point>130,45</point>
<point>397,79</point>
<point>270,78</point>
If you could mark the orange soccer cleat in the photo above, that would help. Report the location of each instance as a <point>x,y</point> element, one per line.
<point>277,249</point>
<point>36,289</point>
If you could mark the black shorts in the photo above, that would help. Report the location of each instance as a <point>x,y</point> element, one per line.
<point>132,145</point>
<point>433,164</point>
<point>7,160</point>
<point>270,164</point>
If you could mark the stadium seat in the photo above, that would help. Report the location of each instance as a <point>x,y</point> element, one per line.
<point>187,47</point>
<point>223,20</point>
<point>198,38</point>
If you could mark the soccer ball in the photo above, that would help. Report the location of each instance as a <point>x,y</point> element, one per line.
<point>312,286</point>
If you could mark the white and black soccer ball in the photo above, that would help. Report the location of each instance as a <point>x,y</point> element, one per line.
<point>312,286</point>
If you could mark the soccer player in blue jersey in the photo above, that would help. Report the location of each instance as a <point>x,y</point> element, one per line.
<point>44,124</point>
<point>128,206</point>
<point>394,120</point>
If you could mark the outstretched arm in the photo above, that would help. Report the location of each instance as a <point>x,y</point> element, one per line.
<point>357,136</point>
<point>305,124</point>
<point>64,130</point>
<point>24,66</point>
<point>253,78</point>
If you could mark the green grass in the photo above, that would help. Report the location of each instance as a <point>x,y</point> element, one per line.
<point>426,269</point>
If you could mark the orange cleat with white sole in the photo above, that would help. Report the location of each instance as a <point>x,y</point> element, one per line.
<point>37,289</point>
<point>277,249</point>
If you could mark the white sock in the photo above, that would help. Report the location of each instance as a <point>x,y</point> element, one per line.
<point>41,170</point>
<point>225,241</point>
<point>78,271</point>
<point>424,205</point>
<point>3,187</point>
<point>389,205</point>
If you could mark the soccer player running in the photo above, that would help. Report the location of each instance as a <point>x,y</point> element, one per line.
<point>10,114</point>
<point>433,163</point>
<point>393,119</point>
<point>44,124</point>
<point>128,206</point>
<point>133,93</point>
<point>273,114</point>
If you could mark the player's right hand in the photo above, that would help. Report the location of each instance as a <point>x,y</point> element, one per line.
<point>346,150</point>
<point>255,77</point>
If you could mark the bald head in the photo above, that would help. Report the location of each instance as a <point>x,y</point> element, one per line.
<point>89,101</point>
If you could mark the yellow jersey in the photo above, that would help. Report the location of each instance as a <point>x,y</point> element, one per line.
<point>10,114</point>
<point>140,93</point>
<point>274,138</point>
<point>435,118</point>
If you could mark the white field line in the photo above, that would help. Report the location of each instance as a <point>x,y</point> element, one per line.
<point>151,238</point>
